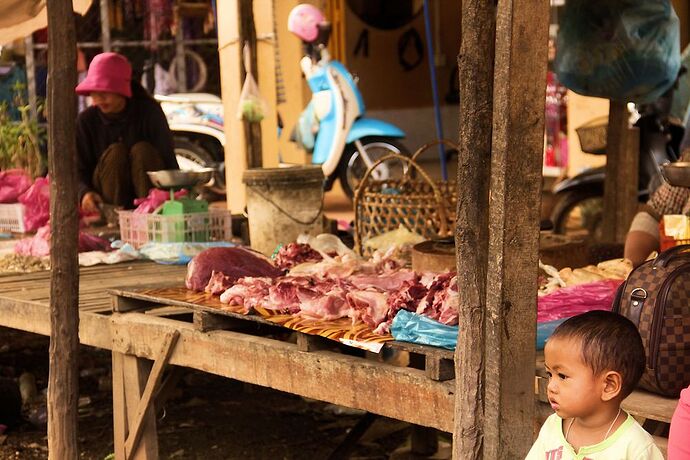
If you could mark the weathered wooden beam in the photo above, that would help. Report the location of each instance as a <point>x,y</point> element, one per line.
<point>516,175</point>
<point>152,383</point>
<point>401,393</point>
<point>622,166</point>
<point>476,70</point>
<point>135,371</point>
<point>247,36</point>
<point>63,381</point>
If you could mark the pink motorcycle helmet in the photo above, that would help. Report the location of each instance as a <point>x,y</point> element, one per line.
<point>303,21</point>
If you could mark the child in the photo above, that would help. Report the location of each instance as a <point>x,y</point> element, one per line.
<point>593,361</point>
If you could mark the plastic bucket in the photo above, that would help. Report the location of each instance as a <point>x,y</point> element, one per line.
<point>283,203</point>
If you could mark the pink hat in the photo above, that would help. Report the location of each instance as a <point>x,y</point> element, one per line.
<point>108,73</point>
<point>303,21</point>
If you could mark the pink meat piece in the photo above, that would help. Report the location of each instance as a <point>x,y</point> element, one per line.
<point>393,281</point>
<point>437,288</point>
<point>294,254</point>
<point>283,295</point>
<point>218,283</point>
<point>249,292</point>
<point>325,300</point>
<point>370,307</point>
<point>235,263</point>
<point>450,299</point>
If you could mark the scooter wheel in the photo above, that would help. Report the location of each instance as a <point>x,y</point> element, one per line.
<point>578,213</point>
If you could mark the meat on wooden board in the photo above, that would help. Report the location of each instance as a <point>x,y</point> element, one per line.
<point>233,262</point>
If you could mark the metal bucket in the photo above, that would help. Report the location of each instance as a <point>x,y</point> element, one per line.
<point>283,203</point>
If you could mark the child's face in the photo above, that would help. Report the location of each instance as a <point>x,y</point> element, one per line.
<point>573,390</point>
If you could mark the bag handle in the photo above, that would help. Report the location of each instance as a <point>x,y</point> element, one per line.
<point>428,145</point>
<point>425,176</point>
<point>667,256</point>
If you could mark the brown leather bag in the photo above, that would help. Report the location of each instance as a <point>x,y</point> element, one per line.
<point>656,297</point>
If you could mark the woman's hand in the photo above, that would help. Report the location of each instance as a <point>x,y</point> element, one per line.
<point>91,203</point>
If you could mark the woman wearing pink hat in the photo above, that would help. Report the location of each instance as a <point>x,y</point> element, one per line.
<point>120,137</point>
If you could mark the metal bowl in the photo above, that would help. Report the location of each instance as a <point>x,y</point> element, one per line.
<point>172,178</point>
<point>677,174</point>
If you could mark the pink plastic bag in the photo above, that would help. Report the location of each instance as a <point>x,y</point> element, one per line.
<point>36,201</point>
<point>573,300</point>
<point>155,198</point>
<point>39,244</point>
<point>13,183</point>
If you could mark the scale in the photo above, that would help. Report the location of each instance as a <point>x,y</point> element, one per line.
<point>176,220</point>
<point>176,179</point>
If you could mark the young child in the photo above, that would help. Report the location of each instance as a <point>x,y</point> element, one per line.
<point>593,361</point>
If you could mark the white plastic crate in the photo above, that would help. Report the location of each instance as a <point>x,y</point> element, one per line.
<point>12,217</point>
<point>139,229</point>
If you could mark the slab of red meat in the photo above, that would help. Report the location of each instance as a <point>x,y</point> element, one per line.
<point>294,254</point>
<point>247,292</point>
<point>235,263</point>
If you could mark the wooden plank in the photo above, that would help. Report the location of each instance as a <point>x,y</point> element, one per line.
<point>122,304</point>
<point>145,407</point>
<point>205,321</point>
<point>622,164</point>
<point>515,193</point>
<point>308,343</point>
<point>400,393</point>
<point>120,427</point>
<point>437,368</point>
<point>476,69</point>
<point>135,372</point>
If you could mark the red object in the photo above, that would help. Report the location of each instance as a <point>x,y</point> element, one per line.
<point>235,263</point>
<point>108,73</point>
<point>667,242</point>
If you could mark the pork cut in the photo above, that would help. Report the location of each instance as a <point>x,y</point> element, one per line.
<point>294,254</point>
<point>235,263</point>
<point>247,292</point>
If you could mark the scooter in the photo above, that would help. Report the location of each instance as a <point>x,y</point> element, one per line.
<point>333,126</point>
<point>196,122</point>
<point>579,205</point>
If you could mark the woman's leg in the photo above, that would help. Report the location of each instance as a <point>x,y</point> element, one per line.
<point>112,176</point>
<point>144,157</point>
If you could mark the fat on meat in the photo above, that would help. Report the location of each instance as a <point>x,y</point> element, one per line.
<point>283,295</point>
<point>326,300</point>
<point>368,306</point>
<point>234,262</point>
<point>392,281</point>
<point>218,283</point>
<point>248,292</point>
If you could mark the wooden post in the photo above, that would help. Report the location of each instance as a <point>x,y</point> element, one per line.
<point>622,164</point>
<point>515,194</point>
<point>63,381</point>
<point>476,69</point>
<point>105,25</point>
<point>31,76</point>
<point>247,35</point>
<point>179,54</point>
<point>230,55</point>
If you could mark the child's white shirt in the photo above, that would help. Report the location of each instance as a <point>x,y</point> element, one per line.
<point>629,442</point>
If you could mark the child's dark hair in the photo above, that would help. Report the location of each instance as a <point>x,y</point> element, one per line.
<point>609,342</point>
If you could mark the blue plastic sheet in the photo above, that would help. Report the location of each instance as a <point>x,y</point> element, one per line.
<point>414,328</point>
<point>624,50</point>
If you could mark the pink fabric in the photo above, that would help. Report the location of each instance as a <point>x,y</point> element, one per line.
<point>155,198</point>
<point>678,445</point>
<point>13,182</point>
<point>108,73</point>
<point>36,201</point>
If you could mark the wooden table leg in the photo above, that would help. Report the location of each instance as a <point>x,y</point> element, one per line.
<point>135,372</point>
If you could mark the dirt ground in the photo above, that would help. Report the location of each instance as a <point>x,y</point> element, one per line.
<point>207,417</point>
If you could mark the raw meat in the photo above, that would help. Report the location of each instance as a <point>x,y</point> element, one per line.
<point>392,281</point>
<point>218,283</point>
<point>441,300</point>
<point>235,263</point>
<point>370,307</point>
<point>247,292</point>
<point>294,254</point>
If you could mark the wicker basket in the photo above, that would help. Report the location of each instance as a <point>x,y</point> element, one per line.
<point>415,201</point>
<point>593,134</point>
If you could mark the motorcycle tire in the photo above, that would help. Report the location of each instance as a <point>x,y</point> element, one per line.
<point>352,169</point>
<point>565,218</point>
<point>191,156</point>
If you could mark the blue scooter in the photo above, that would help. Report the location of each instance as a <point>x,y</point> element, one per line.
<point>333,126</point>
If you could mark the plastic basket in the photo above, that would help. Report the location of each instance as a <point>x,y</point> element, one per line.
<point>139,229</point>
<point>12,218</point>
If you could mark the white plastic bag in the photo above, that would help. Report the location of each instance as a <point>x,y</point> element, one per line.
<point>252,107</point>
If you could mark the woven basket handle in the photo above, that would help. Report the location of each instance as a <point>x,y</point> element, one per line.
<point>428,145</point>
<point>410,161</point>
